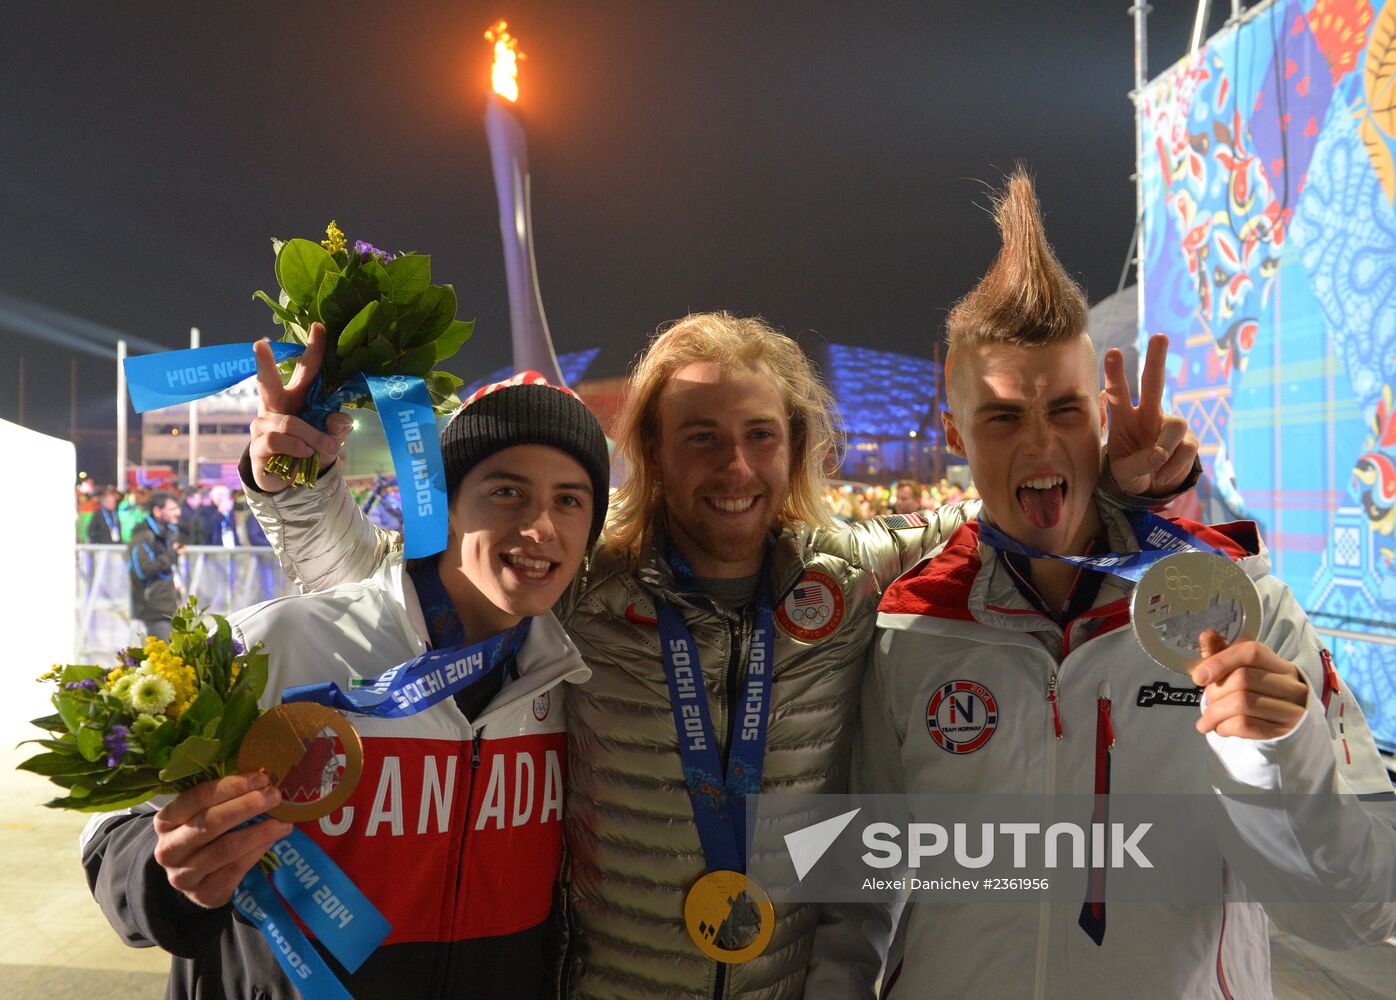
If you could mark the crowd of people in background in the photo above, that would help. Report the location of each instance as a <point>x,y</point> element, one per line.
<point>209,515</point>
<point>854,503</point>
<point>216,515</point>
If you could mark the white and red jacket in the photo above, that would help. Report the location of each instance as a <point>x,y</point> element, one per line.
<point>454,831</point>
<point>960,617</point>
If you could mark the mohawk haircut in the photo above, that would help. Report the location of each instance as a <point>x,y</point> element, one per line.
<point>1026,299</point>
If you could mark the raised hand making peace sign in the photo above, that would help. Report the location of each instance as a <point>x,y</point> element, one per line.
<point>278,429</point>
<point>1150,453</point>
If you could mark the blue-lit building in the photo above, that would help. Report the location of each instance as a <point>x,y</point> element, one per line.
<point>889,404</point>
<point>891,412</point>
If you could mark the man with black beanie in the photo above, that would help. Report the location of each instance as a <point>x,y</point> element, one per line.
<point>454,831</point>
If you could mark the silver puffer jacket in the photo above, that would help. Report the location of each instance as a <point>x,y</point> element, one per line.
<point>633,848</point>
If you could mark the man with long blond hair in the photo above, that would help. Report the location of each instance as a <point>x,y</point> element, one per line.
<point>1026,610</point>
<point>720,547</point>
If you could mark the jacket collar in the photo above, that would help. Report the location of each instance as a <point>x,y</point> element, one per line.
<point>790,551</point>
<point>547,658</point>
<point>966,581</point>
<point>995,599</point>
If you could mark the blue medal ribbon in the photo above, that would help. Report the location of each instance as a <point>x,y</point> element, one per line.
<point>172,377</point>
<point>337,913</point>
<point>420,682</point>
<point>258,902</point>
<point>404,409</point>
<point>1158,538</point>
<point>718,798</point>
<point>317,890</point>
<point>409,423</point>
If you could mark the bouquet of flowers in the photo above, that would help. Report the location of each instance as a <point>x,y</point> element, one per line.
<point>168,716</point>
<point>383,317</point>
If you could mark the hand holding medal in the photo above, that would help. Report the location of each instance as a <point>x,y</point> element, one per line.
<point>1251,691</point>
<point>205,839</point>
<point>1199,613</point>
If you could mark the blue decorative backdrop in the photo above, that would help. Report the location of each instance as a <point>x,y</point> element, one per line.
<point>1270,261</point>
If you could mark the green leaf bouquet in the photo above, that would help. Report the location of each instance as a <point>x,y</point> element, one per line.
<point>383,317</point>
<point>168,716</point>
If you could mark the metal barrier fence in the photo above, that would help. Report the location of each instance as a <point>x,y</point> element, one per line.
<point>222,579</point>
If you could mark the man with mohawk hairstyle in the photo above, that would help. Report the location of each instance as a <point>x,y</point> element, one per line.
<point>1046,648</point>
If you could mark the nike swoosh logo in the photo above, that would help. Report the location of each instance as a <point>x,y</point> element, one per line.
<point>631,615</point>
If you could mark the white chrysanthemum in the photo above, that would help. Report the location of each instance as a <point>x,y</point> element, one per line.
<point>121,688</point>
<point>145,725</point>
<point>151,694</point>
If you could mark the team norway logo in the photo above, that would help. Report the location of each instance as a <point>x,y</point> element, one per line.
<point>813,610</point>
<point>961,716</point>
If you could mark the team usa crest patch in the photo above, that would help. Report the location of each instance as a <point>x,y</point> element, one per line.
<point>813,609</point>
<point>961,716</point>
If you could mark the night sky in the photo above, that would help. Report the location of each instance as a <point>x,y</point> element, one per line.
<point>823,165</point>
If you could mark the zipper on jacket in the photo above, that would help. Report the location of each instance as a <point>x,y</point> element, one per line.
<point>449,974</point>
<point>1049,788</point>
<point>1222,983</point>
<point>1052,700</point>
<point>1092,918</point>
<point>564,984</point>
<point>738,632</point>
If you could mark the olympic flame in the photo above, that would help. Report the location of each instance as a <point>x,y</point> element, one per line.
<point>504,75</point>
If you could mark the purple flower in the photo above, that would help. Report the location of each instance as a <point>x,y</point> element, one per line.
<point>208,641</point>
<point>367,250</point>
<point>88,685</point>
<point>116,744</point>
<point>238,647</point>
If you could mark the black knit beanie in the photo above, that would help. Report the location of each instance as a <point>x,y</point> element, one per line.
<point>528,409</point>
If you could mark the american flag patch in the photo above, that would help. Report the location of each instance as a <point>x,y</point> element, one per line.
<point>898,521</point>
<point>808,595</point>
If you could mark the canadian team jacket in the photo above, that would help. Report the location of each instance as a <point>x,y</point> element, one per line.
<point>454,831</point>
<point>960,618</point>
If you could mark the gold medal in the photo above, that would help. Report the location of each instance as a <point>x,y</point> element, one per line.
<point>729,916</point>
<point>310,752</point>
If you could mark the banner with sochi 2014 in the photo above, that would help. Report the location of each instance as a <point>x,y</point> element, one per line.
<point>1268,181</point>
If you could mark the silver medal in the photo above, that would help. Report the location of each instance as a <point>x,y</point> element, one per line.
<point>1185,594</point>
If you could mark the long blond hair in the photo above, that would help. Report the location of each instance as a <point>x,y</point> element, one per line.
<point>1026,298</point>
<point>730,341</point>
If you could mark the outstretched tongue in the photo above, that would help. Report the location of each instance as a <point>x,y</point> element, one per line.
<point>1043,507</point>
